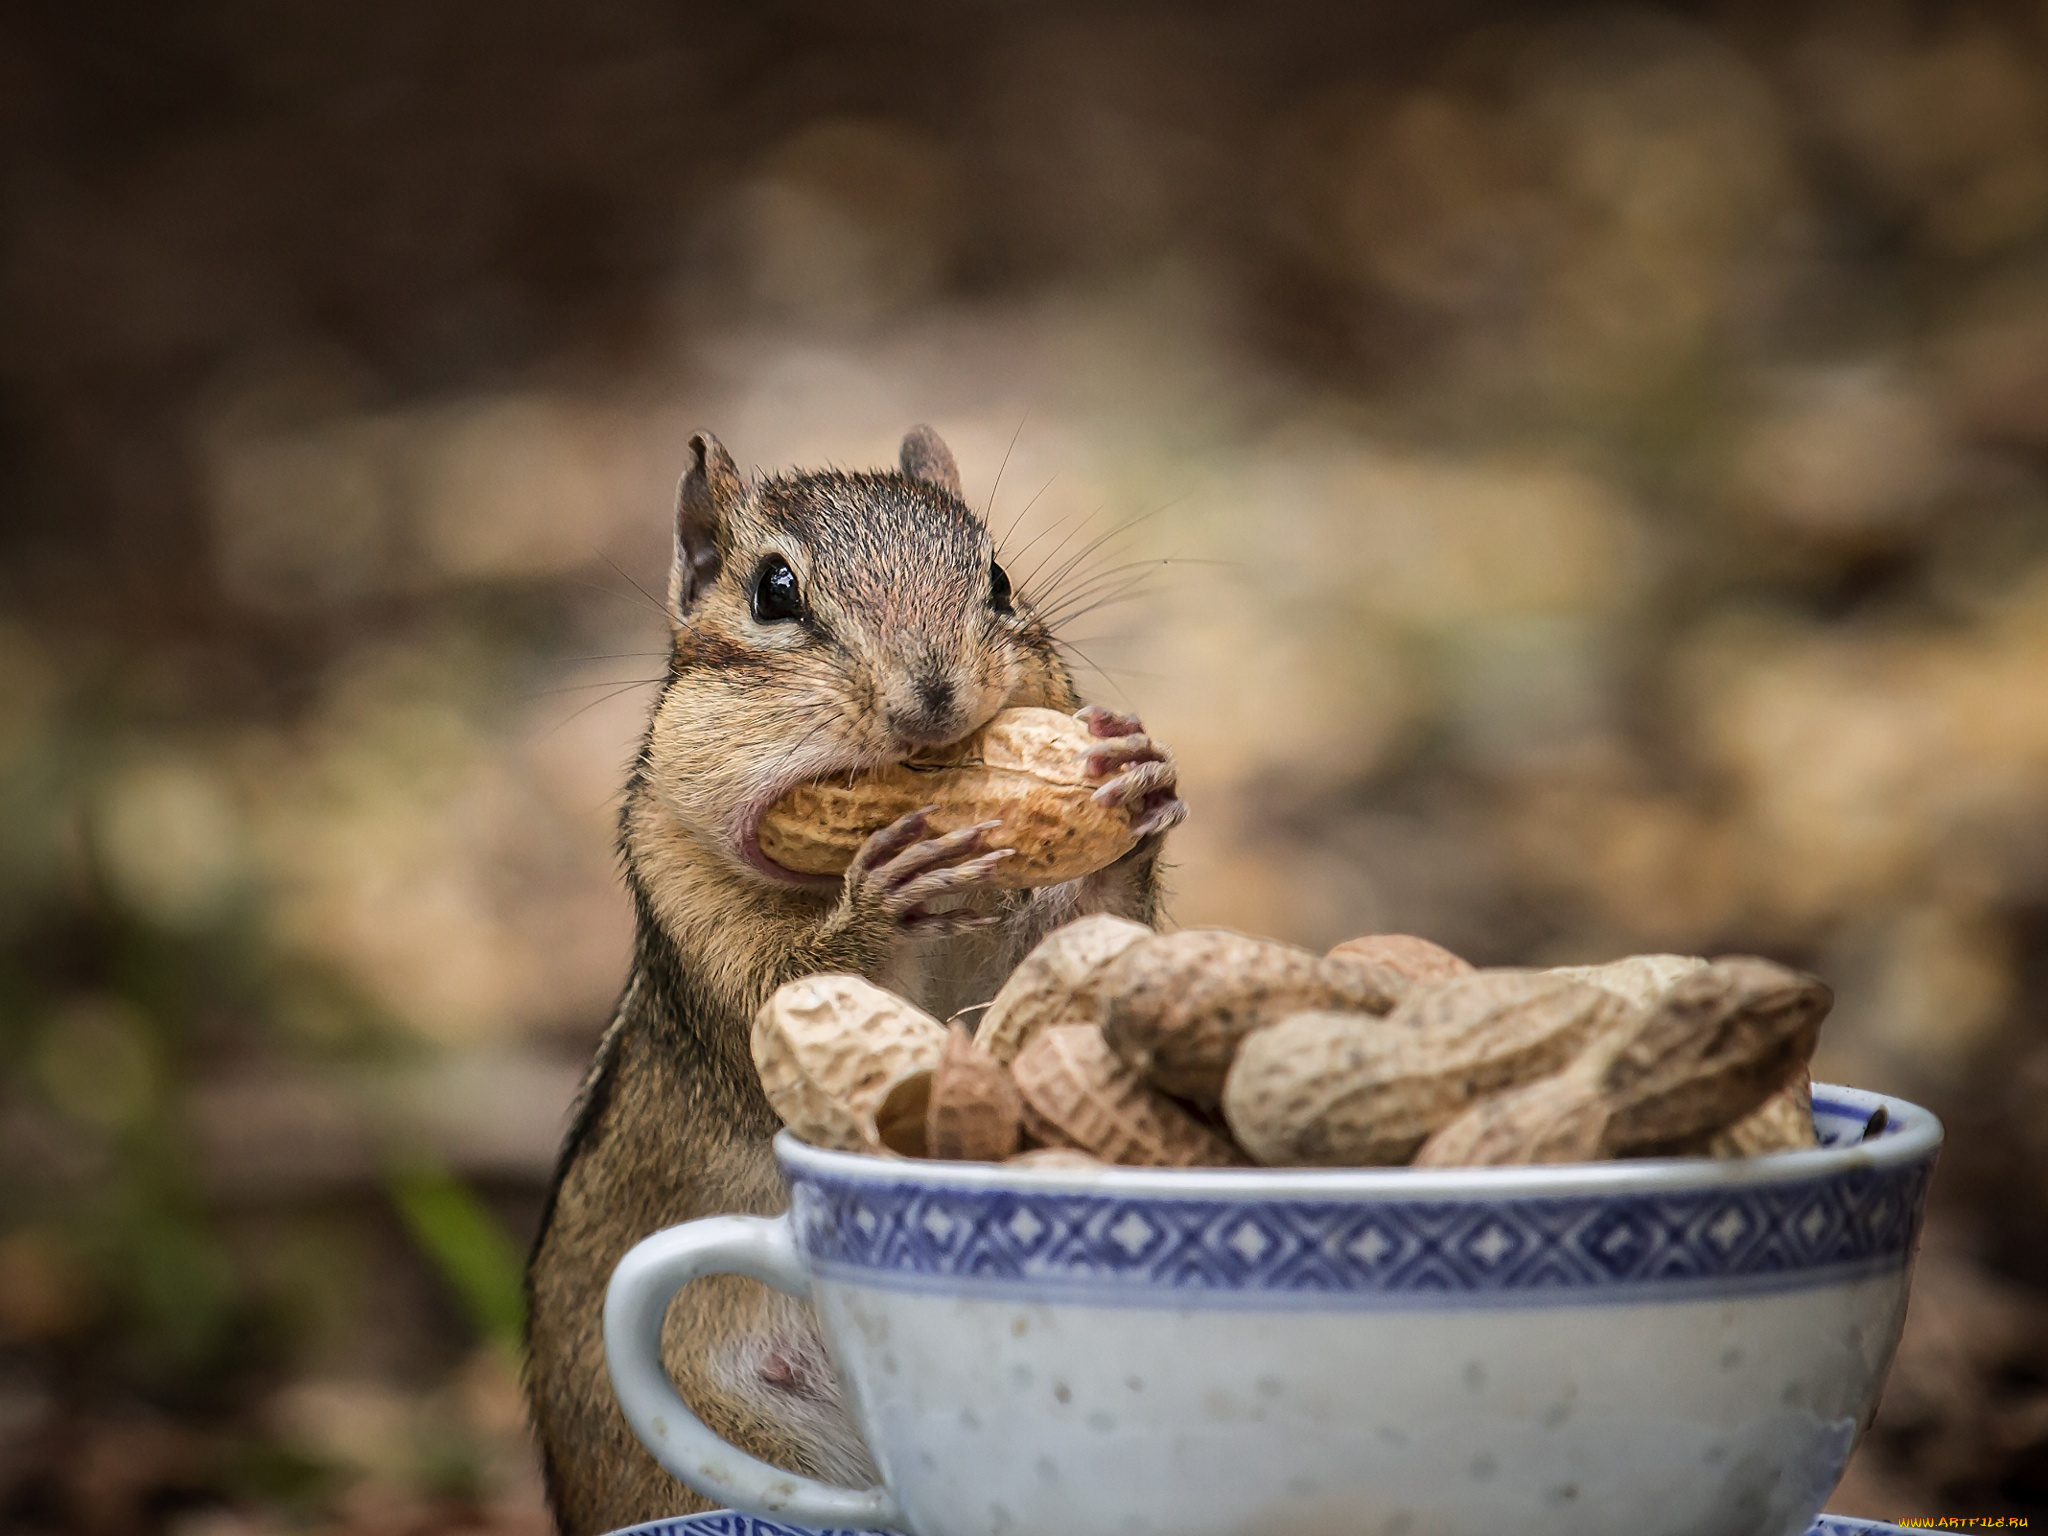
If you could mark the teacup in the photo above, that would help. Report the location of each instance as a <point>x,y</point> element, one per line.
<point>1685,1346</point>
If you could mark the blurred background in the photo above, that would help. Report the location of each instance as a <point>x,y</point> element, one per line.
<point>1584,474</point>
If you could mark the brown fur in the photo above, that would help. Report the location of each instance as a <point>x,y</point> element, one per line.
<point>672,1123</point>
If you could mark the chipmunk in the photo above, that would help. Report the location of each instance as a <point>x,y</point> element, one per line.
<point>821,623</point>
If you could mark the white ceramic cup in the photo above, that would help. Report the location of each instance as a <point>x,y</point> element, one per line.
<point>1681,1346</point>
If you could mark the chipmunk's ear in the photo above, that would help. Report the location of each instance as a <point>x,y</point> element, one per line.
<point>710,490</point>
<point>925,457</point>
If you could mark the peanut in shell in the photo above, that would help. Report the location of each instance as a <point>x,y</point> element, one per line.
<point>1076,1093</point>
<point>1055,983</point>
<point>1722,1040</point>
<point>1782,1123</point>
<point>1555,1119</point>
<point>1072,1159</point>
<point>1641,979</point>
<point>1417,959</point>
<point>1027,769</point>
<point>1175,1006</point>
<point>830,1049</point>
<point>1334,1090</point>
<point>972,1113</point>
<point>1725,1038</point>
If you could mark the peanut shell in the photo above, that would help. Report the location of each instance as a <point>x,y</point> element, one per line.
<point>1725,1039</point>
<point>1072,1158</point>
<point>1417,959</point>
<point>1556,1119</point>
<point>898,1123</point>
<point>1782,1123</point>
<point>1176,1006</point>
<point>1077,1093</point>
<point>1336,1090</point>
<point>973,1113</point>
<point>1026,768</point>
<point>1054,984</point>
<point>1641,979</point>
<point>829,1050</point>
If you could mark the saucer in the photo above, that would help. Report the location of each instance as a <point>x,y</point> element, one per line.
<point>726,1522</point>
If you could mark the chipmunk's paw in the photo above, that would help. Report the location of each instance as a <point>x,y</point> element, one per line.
<point>1139,773</point>
<point>899,872</point>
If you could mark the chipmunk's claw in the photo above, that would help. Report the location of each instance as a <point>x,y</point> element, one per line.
<point>900,871</point>
<point>1142,778</point>
<point>1107,722</point>
<point>1137,783</point>
<point>1162,814</point>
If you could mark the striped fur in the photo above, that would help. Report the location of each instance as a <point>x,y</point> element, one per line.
<point>672,1123</point>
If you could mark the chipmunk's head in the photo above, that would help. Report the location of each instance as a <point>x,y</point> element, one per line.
<point>828,622</point>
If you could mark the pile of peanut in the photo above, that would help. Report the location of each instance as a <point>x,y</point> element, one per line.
<point>1111,1043</point>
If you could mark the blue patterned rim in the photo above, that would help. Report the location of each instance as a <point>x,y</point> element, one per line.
<point>1587,1234</point>
<point>725,1522</point>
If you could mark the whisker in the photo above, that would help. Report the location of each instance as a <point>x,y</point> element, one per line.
<point>1096,543</point>
<point>617,596</point>
<point>1059,606</point>
<point>805,740</point>
<point>1067,567</point>
<point>1004,465</point>
<point>1050,527</point>
<point>607,698</point>
<point>1110,573</point>
<point>621,682</point>
<point>1116,636</point>
<point>1021,514</point>
<point>1097,668</point>
<point>659,606</point>
<point>1109,600</point>
<point>1081,602</point>
<point>1228,565</point>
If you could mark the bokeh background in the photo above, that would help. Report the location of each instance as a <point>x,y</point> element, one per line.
<point>1584,472</point>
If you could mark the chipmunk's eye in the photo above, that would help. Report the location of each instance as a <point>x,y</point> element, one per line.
<point>998,588</point>
<point>775,594</point>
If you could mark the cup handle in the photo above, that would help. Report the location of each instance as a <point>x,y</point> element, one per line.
<point>635,1304</point>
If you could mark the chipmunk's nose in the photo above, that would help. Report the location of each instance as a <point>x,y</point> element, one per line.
<point>929,714</point>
